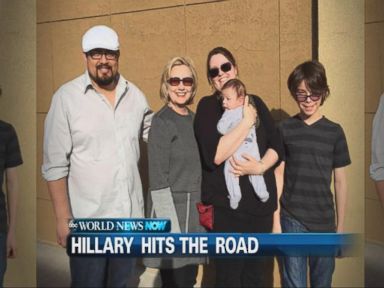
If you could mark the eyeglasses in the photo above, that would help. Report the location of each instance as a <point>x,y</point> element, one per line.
<point>97,54</point>
<point>175,81</point>
<point>213,72</point>
<point>302,97</point>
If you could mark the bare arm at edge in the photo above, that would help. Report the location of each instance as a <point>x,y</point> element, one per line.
<point>59,195</point>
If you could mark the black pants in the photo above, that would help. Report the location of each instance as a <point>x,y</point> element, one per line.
<point>180,277</point>
<point>243,272</point>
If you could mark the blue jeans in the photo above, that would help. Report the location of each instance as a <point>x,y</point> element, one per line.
<point>295,268</point>
<point>101,271</point>
<point>3,256</point>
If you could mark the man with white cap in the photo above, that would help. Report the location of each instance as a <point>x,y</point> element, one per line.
<point>91,153</point>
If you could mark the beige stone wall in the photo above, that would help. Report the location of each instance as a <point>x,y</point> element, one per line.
<point>341,50</point>
<point>374,87</point>
<point>268,38</point>
<point>18,106</point>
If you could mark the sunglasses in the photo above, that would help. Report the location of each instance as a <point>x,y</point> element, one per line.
<point>175,81</point>
<point>97,54</point>
<point>301,97</point>
<point>213,72</point>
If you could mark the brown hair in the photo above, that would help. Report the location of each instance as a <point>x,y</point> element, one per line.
<point>237,85</point>
<point>226,53</point>
<point>314,77</point>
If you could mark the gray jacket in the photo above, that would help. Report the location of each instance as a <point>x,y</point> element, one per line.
<point>174,178</point>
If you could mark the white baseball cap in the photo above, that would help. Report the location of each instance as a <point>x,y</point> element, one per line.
<point>100,36</point>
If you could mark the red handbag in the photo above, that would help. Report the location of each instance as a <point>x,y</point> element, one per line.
<point>205,215</point>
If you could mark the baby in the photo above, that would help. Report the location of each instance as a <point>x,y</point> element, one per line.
<point>233,94</point>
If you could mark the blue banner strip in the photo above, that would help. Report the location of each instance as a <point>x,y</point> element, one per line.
<point>212,244</point>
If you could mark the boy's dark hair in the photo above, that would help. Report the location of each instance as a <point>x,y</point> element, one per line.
<point>314,77</point>
<point>223,51</point>
<point>237,85</point>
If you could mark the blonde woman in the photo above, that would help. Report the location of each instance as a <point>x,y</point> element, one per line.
<point>174,168</point>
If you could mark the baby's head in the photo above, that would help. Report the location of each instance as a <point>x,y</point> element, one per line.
<point>232,94</point>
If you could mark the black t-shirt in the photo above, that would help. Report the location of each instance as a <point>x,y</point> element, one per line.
<point>10,156</point>
<point>214,190</point>
<point>311,152</point>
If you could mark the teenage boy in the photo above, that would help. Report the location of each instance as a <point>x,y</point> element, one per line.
<point>315,148</point>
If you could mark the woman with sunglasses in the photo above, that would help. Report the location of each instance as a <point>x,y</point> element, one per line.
<point>252,215</point>
<point>174,168</point>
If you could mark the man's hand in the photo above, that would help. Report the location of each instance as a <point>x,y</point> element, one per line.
<point>11,244</point>
<point>340,229</point>
<point>60,200</point>
<point>62,231</point>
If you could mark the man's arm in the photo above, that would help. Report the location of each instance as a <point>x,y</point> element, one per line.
<point>12,189</point>
<point>59,196</point>
<point>146,125</point>
<point>279,175</point>
<point>340,185</point>
<point>380,191</point>
<point>55,169</point>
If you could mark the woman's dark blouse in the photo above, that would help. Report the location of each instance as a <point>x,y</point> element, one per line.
<point>214,189</point>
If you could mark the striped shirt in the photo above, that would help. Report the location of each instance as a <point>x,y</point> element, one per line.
<point>311,154</point>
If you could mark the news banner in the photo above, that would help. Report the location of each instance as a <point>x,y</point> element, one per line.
<point>152,238</point>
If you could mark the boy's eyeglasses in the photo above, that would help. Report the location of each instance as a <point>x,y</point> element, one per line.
<point>97,54</point>
<point>175,81</point>
<point>213,72</point>
<point>301,97</point>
